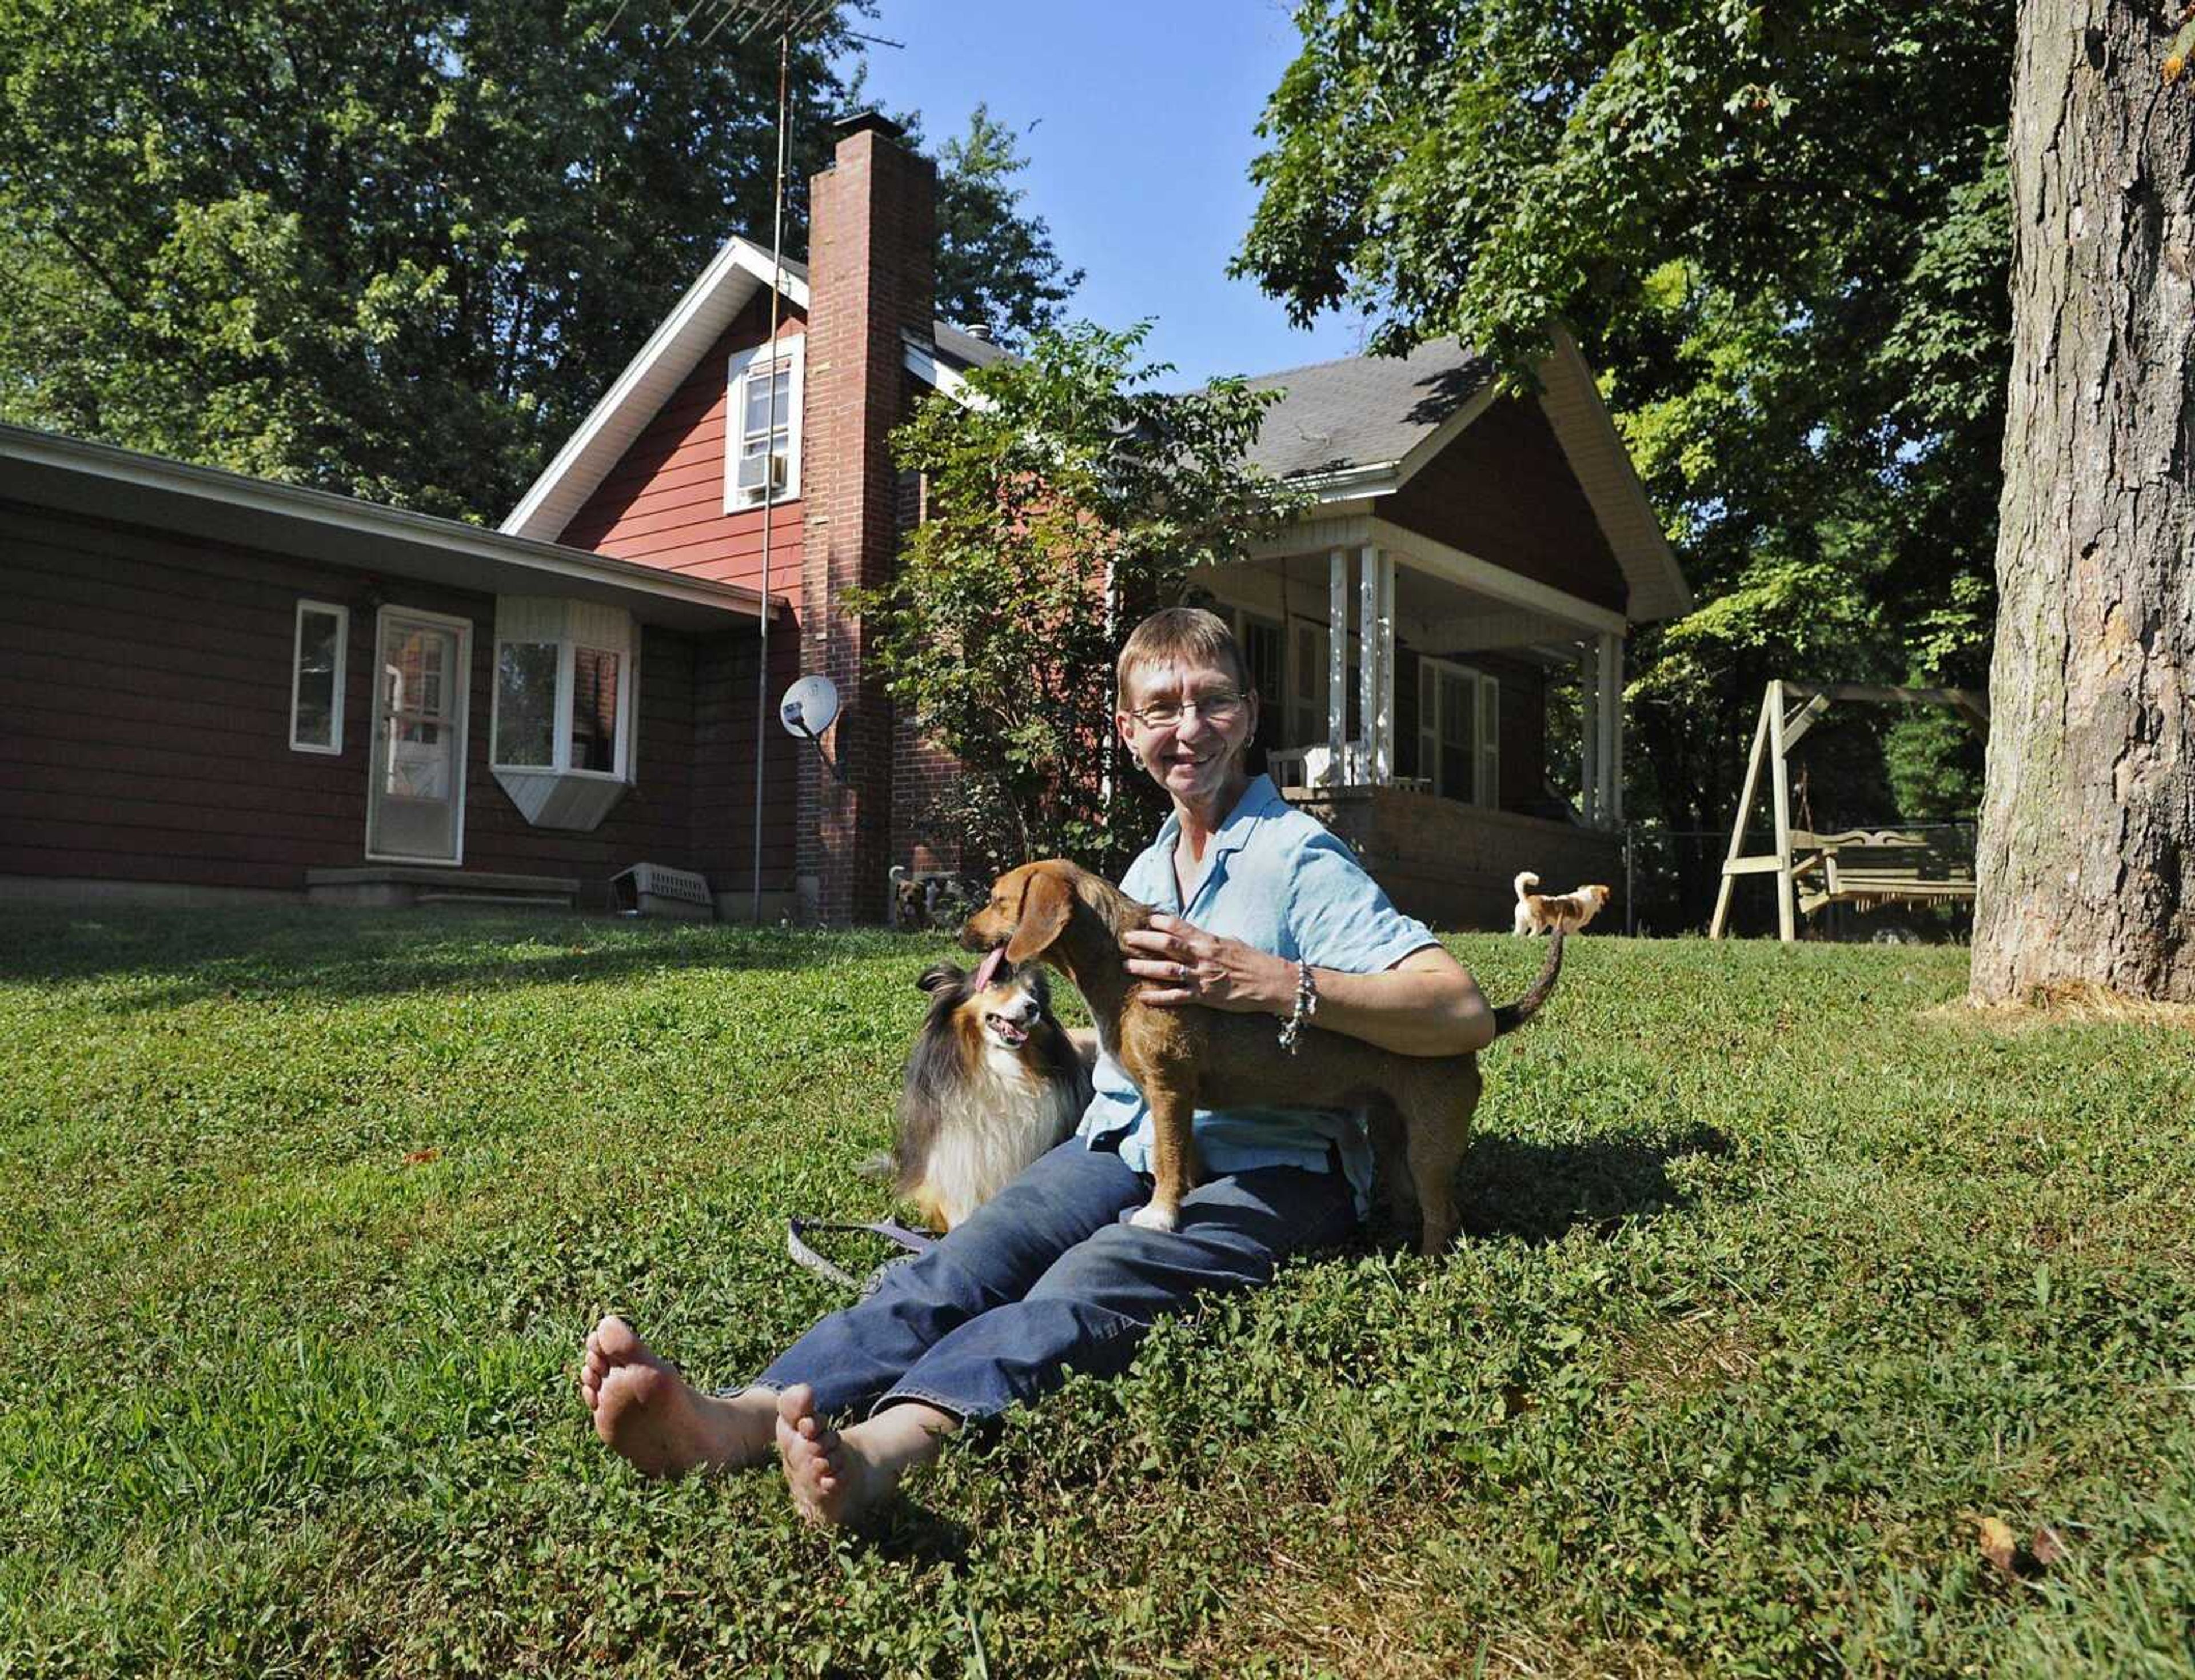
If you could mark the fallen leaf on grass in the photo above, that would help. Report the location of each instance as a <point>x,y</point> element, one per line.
<point>1997,1542</point>
<point>419,1155</point>
<point>2045,1547</point>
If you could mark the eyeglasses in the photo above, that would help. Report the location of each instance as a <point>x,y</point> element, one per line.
<point>1222,708</point>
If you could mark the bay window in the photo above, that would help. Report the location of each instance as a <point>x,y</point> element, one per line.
<point>563,724</point>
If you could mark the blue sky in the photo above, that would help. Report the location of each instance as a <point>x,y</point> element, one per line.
<point>1140,156</point>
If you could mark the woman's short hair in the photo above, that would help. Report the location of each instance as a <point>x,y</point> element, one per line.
<point>1181,635</point>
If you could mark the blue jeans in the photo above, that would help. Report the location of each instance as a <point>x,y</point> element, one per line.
<point>1048,1277</point>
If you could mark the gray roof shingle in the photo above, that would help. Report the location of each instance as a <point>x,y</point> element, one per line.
<point>1365,411</point>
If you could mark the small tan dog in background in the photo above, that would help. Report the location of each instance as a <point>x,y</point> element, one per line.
<point>1553,912</point>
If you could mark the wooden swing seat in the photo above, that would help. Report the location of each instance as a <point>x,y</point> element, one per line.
<point>1861,866</point>
<point>1867,867</point>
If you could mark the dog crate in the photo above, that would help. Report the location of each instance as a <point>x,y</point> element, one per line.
<point>651,889</point>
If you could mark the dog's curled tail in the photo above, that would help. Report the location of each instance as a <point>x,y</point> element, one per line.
<point>1511,1016</point>
<point>1526,879</point>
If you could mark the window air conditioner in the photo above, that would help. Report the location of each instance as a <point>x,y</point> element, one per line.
<point>759,472</point>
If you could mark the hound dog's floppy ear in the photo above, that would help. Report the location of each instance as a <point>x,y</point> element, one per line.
<point>940,975</point>
<point>1046,902</point>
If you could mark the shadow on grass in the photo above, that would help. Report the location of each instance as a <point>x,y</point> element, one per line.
<point>1536,1193</point>
<point>915,1532</point>
<point>171,957</point>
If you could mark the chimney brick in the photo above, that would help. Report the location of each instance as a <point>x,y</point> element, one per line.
<point>871,279</point>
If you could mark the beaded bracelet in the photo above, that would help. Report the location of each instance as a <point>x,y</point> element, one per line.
<point>1307,1007</point>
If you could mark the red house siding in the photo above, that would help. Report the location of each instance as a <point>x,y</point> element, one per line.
<point>723,789</point>
<point>145,679</point>
<point>663,504</point>
<point>1502,490</point>
<point>146,690</point>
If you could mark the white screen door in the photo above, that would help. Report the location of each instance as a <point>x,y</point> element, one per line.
<point>415,806</point>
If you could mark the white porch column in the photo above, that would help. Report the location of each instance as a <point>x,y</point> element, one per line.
<point>1609,704</point>
<point>1337,661</point>
<point>1611,655</point>
<point>1589,731</point>
<point>1367,662</point>
<point>1382,765</point>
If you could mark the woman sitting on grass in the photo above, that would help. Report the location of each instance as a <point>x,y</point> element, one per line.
<point>1049,1277</point>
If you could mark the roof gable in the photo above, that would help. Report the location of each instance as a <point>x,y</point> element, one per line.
<point>735,277</point>
<point>1368,425</point>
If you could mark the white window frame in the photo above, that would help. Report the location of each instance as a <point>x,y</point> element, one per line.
<point>567,697</point>
<point>567,644</point>
<point>461,687</point>
<point>793,351</point>
<point>342,615</point>
<point>1486,719</point>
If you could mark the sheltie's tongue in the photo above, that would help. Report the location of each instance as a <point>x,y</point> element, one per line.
<point>989,970</point>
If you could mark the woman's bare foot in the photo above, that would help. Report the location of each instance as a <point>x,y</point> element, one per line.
<point>649,1415</point>
<point>839,1476</point>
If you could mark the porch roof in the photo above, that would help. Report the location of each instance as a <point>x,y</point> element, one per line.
<point>1361,428</point>
<point>1363,412</point>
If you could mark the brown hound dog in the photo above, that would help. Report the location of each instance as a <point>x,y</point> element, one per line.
<point>1187,1059</point>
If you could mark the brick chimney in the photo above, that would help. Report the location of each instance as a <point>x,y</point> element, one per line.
<point>871,279</point>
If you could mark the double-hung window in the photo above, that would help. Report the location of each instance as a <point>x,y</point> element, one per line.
<point>761,441</point>
<point>563,732</point>
<point>1460,731</point>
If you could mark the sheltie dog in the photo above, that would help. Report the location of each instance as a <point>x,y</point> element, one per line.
<point>1554,912</point>
<point>993,1082</point>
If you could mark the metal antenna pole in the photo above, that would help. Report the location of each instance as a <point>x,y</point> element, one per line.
<point>789,17</point>
<point>769,475</point>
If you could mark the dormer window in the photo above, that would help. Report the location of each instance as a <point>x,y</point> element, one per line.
<point>761,434</point>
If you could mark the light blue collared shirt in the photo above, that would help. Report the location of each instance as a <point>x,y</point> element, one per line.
<point>1277,879</point>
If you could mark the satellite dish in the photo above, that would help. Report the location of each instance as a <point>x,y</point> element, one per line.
<point>810,706</point>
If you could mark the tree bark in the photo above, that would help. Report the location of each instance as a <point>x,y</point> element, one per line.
<point>2089,814</point>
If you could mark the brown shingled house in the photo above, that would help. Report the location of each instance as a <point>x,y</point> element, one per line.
<point>223,686</point>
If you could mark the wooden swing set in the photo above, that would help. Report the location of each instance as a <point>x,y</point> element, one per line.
<point>1862,866</point>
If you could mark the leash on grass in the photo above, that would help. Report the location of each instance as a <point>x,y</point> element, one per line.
<point>916,1243</point>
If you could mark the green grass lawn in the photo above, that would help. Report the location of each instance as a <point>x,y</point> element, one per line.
<point>1778,1277</point>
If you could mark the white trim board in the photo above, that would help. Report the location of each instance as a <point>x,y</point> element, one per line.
<point>1511,588</point>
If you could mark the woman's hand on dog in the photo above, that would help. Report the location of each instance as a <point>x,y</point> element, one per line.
<point>1189,965</point>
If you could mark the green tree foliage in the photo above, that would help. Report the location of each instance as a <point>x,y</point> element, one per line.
<point>1068,498</point>
<point>401,252</point>
<point>1782,233</point>
<point>996,265</point>
<point>397,251</point>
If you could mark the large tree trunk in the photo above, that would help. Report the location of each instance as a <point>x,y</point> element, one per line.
<point>2089,818</point>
